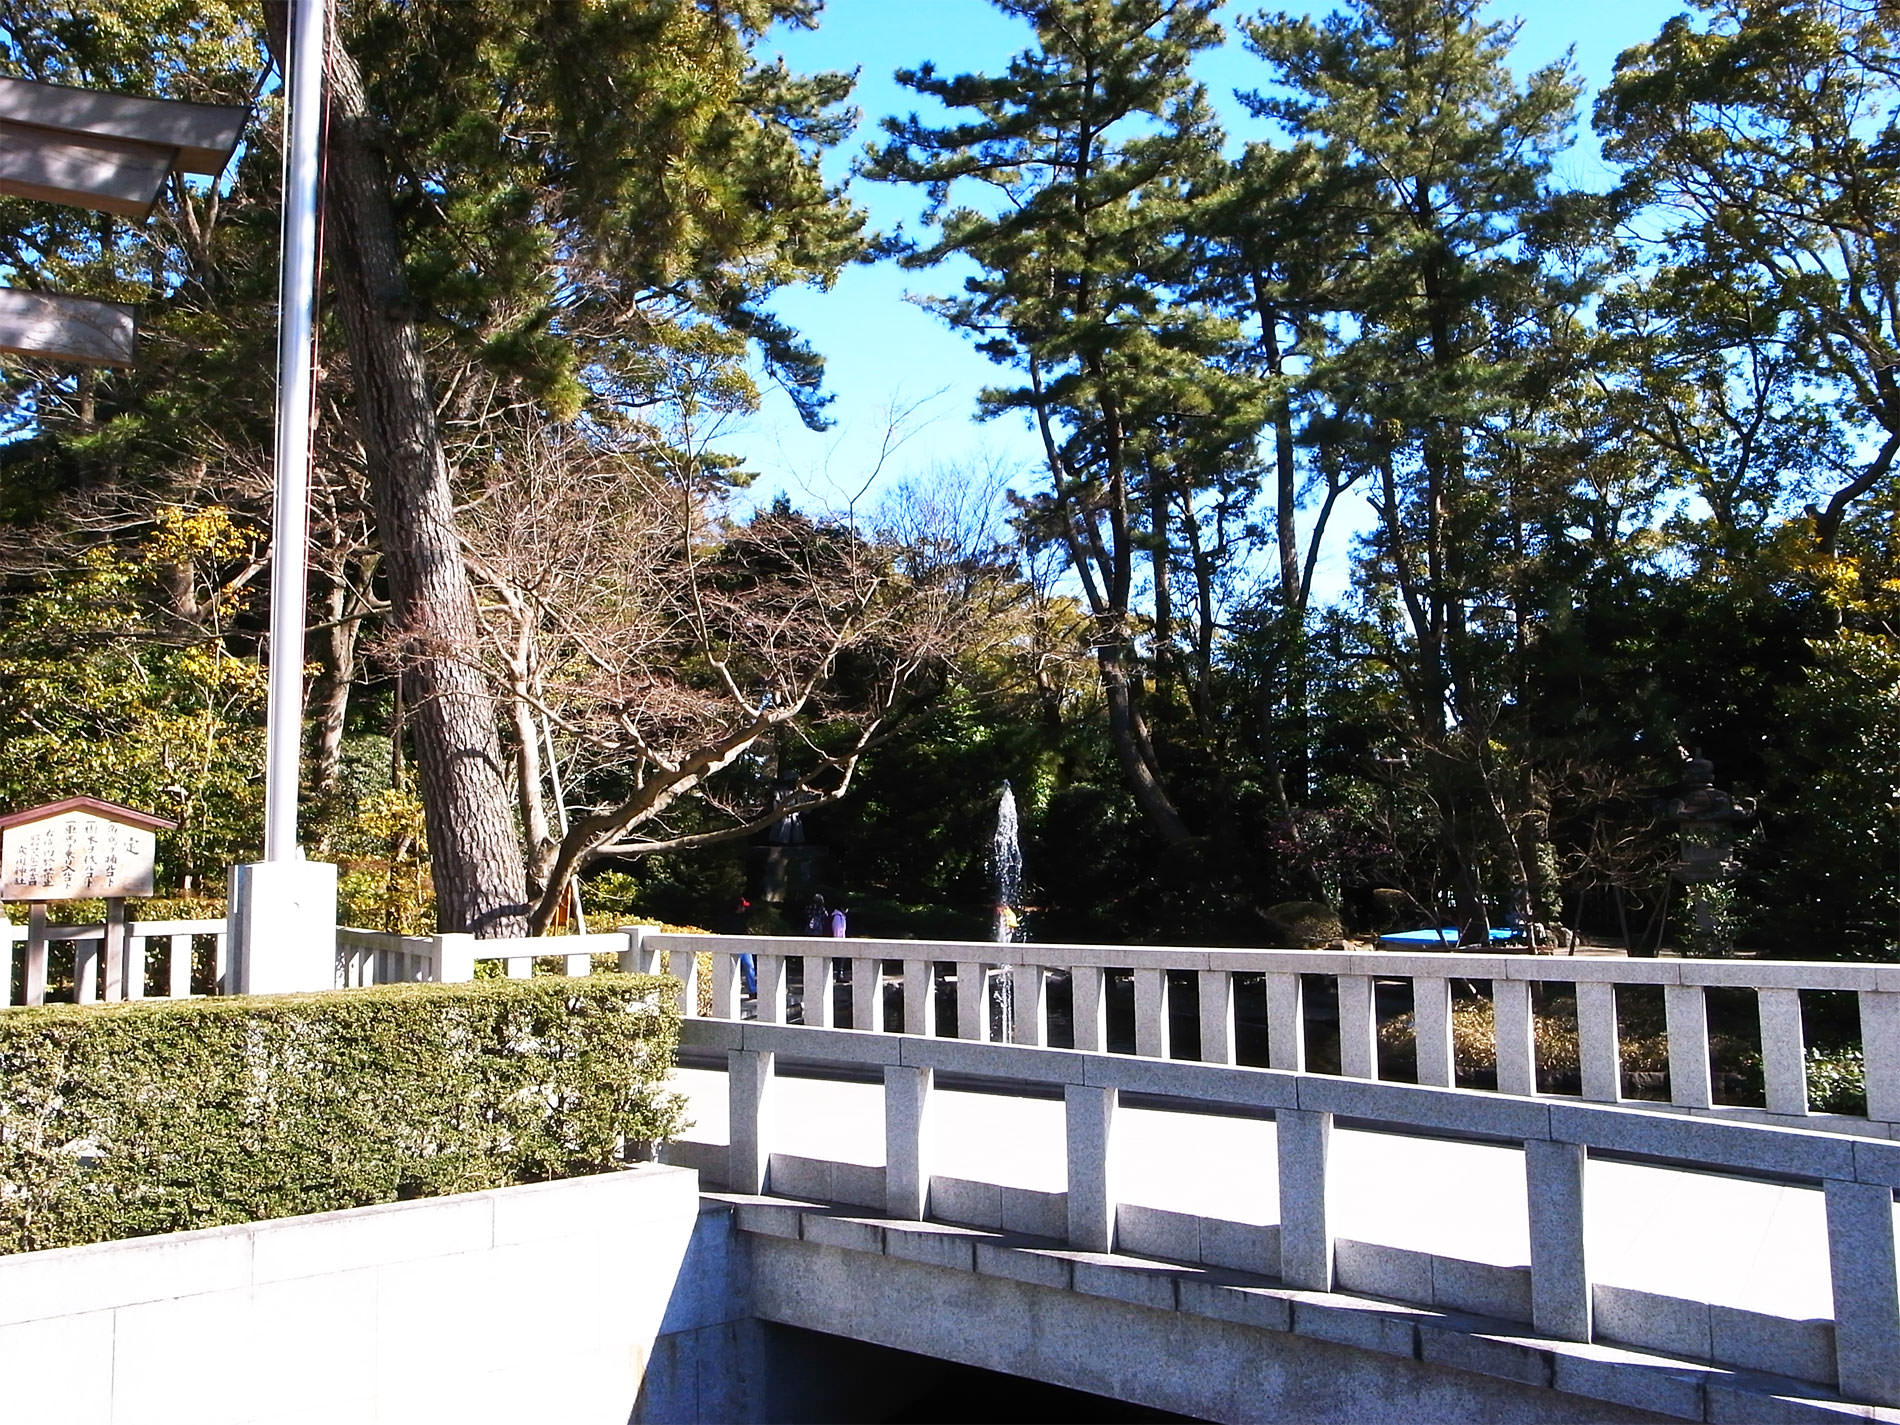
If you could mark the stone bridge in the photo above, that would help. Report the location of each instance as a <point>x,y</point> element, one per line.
<point>1235,1241</point>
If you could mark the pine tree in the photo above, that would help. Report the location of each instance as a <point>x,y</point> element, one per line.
<point>571,199</point>
<point>1438,165</point>
<point>1067,181</point>
<point>577,212</point>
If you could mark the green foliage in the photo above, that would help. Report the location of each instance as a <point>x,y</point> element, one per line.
<point>1828,878</point>
<point>1303,925</point>
<point>201,348</point>
<point>91,912</point>
<point>1069,180</point>
<point>1633,483</point>
<point>383,881</point>
<point>1768,136</point>
<point>100,695</point>
<point>163,1116</point>
<point>921,828</point>
<point>597,200</point>
<point>1837,1081</point>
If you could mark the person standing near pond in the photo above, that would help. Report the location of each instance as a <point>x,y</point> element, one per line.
<point>837,924</point>
<point>817,918</point>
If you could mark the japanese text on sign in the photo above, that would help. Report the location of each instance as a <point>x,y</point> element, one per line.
<point>73,856</point>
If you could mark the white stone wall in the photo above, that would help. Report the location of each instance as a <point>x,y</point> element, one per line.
<point>526,1304</point>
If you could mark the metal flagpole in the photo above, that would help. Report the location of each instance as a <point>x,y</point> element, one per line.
<point>290,523</point>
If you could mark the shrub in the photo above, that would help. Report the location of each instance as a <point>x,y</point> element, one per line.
<point>91,912</point>
<point>1837,1081</point>
<point>1303,924</point>
<point>161,1116</point>
<point>1644,1048</point>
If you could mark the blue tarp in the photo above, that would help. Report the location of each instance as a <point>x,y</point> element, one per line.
<point>1447,936</point>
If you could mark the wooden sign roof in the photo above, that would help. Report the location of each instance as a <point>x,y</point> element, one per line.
<point>111,811</point>
<point>198,138</point>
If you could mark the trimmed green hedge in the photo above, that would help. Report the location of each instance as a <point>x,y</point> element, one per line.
<point>165,1115</point>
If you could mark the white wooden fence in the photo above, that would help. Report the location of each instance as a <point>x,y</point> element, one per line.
<point>371,957</point>
<point>86,956</point>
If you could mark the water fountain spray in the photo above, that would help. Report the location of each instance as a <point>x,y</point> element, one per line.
<point>1006,871</point>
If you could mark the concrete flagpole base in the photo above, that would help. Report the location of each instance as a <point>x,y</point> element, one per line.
<point>283,927</point>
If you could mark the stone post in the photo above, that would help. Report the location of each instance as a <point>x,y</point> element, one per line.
<point>1303,1141</point>
<point>1560,1278</point>
<point>1089,1114</point>
<point>454,958</point>
<point>749,1076</point>
<point>283,927</point>
<point>907,1094</point>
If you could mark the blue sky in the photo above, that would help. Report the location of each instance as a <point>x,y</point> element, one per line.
<point>884,353</point>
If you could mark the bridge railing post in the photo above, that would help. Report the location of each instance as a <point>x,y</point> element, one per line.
<point>1560,1276</point>
<point>1029,1000</point>
<point>920,997</point>
<point>1431,1030</point>
<point>819,970</point>
<point>907,1157</point>
<point>682,965</point>
<point>638,958</point>
<point>1514,1032</point>
<point>1880,1052</point>
<point>1151,1013</point>
<point>973,1001</point>
<point>750,1076</point>
<point>771,972</point>
<point>1597,1044</point>
<point>1217,1016</point>
<point>1286,1022</point>
<point>1686,1019</point>
<point>1358,1028</point>
<point>1303,1141</point>
<point>1861,1265</point>
<point>728,984</point>
<point>867,994</point>
<point>1089,1008</point>
<point>1783,1050</point>
<point>1089,1121</point>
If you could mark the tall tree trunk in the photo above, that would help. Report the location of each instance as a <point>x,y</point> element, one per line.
<point>1133,750</point>
<point>465,793</point>
<point>1159,562</point>
<point>328,703</point>
<point>1292,770</point>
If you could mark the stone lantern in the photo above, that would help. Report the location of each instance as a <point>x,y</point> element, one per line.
<point>1707,819</point>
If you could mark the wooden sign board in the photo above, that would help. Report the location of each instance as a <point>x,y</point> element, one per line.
<point>66,328</point>
<point>78,849</point>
